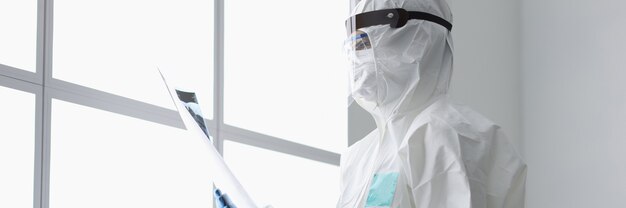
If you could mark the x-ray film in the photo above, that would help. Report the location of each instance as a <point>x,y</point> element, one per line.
<point>229,191</point>
<point>191,104</point>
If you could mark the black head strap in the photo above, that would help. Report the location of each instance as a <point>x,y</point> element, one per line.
<point>396,18</point>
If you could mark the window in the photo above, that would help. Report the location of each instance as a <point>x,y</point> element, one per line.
<point>17,148</point>
<point>116,46</point>
<point>274,62</point>
<point>103,159</point>
<point>18,39</point>
<point>282,180</point>
<point>276,59</point>
<point>96,127</point>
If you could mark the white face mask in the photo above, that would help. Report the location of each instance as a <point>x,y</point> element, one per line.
<point>363,76</point>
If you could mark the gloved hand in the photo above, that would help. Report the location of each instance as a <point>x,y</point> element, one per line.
<point>222,200</point>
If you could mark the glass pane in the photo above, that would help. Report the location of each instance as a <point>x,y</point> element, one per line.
<point>286,181</point>
<point>17,148</point>
<point>285,72</point>
<point>117,45</point>
<point>18,39</point>
<point>102,159</point>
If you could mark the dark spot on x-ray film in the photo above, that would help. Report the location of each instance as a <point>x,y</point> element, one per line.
<point>190,100</point>
<point>187,96</point>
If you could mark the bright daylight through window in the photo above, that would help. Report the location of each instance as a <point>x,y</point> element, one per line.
<point>17,148</point>
<point>18,39</point>
<point>120,53</point>
<point>279,66</point>
<point>119,161</point>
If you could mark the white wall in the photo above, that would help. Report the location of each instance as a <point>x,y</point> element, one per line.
<point>574,102</point>
<point>487,60</point>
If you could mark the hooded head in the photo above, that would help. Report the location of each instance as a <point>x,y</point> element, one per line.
<point>400,70</point>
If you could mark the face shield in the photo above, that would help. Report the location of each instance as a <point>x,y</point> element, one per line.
<point>381,50</point>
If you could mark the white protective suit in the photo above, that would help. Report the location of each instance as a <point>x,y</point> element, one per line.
<point>426,152</point>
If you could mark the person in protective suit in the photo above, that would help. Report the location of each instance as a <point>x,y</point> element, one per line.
<point>426,152</point>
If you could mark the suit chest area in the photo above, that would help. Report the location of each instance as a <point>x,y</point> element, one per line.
<point>375,178</point>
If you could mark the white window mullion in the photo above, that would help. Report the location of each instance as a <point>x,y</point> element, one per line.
<point>251,138</point>
<point>39,148</point>
<point>103,100</point>
<point>44,150</point>
<point>218,107</point>
<point>44,47</point>
<point>16,73</point>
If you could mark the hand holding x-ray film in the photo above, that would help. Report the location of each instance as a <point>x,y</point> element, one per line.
<point>228,191</point>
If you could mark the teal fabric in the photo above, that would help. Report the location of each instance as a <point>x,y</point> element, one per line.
<point>382,190</point>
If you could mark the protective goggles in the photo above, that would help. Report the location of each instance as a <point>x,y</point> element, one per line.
<point>358,41</point>
<point>396,18</point>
